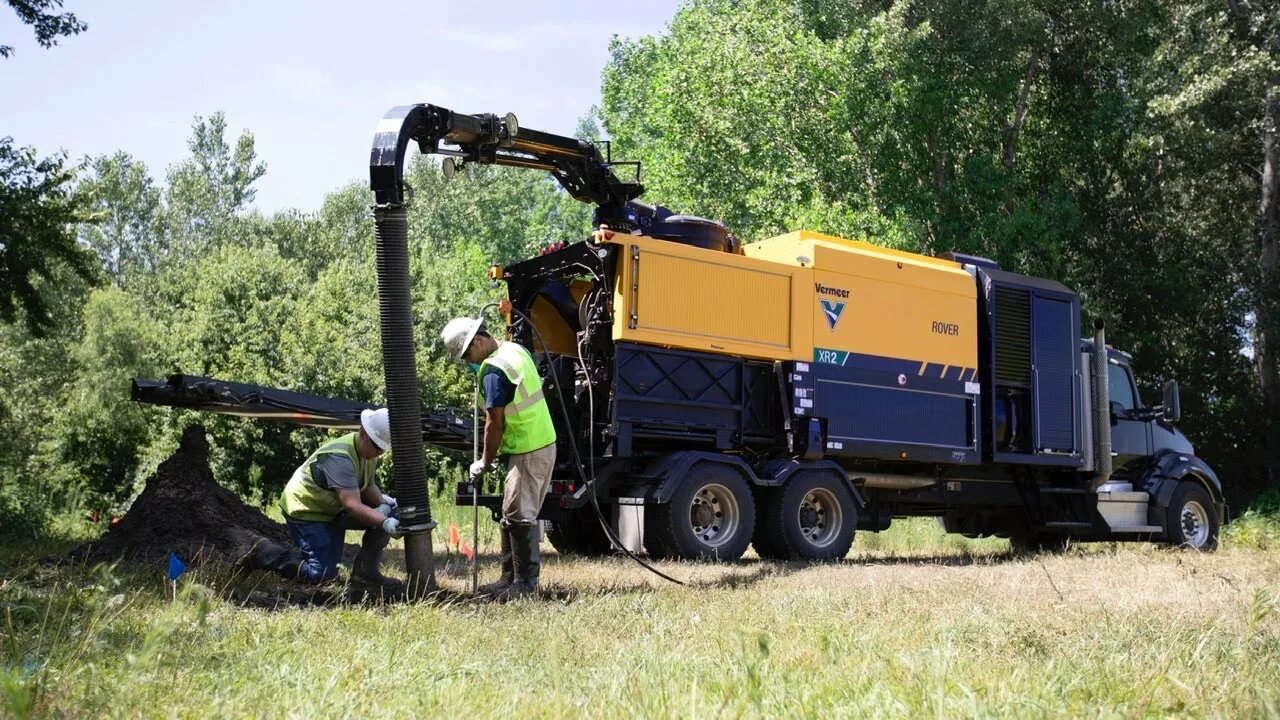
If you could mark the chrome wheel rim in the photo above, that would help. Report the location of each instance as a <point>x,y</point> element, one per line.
<point>1195,524</point>
<point>820,517</point>
<point>714,515</point>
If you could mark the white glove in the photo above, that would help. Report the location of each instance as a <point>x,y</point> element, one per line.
<point>477,468</point>
<point>391,526</point>
<point>390,501</point>
<point>384,509</point>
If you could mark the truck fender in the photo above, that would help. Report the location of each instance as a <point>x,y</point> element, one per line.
<point>671,469</point>
<point>1168,468</point>
<point>777,472</point>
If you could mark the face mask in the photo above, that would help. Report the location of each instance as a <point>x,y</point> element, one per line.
<point>475,368</point>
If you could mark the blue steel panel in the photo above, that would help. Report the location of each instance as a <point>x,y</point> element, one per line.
<point>892,414</point>
<point>1054,354</point>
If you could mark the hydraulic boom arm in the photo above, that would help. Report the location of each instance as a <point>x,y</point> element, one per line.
<point>577,165</point>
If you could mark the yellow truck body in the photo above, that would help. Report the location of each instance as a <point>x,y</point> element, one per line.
<point>803,296</point>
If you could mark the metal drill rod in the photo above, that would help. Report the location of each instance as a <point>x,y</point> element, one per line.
<point>475,490</point>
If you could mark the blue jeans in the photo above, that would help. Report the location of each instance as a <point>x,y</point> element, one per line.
<point>321,544</point>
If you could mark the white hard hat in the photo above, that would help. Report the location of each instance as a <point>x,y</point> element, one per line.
<point>458,334</point>
<point>377,425</point>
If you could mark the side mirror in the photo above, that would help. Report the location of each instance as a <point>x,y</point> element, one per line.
<point>1172,402</point>
<point>1117,411</point>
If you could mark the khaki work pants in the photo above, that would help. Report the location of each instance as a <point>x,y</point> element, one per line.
<point>528,480</point>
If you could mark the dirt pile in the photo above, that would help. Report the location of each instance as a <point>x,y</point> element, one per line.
<point>183,510</point>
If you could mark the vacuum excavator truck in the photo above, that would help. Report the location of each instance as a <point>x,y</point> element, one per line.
<point>786,392</point>
<point>711,395</point>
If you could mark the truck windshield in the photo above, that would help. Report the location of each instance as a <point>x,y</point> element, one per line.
<point>1121,386</point>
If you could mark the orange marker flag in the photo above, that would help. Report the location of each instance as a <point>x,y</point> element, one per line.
<point>454,537</point>
<point>467,552</point>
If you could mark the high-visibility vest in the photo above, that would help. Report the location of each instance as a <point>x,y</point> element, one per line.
<point>304,499</point>
<point>527,419</point>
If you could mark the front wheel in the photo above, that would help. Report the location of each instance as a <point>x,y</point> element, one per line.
<point>1192,521</point>
<point>710,516</point>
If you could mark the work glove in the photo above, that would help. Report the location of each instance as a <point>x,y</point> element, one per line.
<point>391,526</point>
<point>384,509</point>
<point>477,469</point>
<point>388,500</point>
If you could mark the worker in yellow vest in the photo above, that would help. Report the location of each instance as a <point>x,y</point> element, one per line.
<point>333,491</point>
<point>517,424</point>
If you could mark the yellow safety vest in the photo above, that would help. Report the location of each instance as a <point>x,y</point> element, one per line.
<point>303,499</point>
<point>528,424</point>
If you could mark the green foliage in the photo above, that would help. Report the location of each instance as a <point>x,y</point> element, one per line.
<point>124,203</point>
<point>24,512</point>
<point>48,26</point>
<point>91,448</point>
<point>1258,526</point>
<point>208,191</point>
<point>37,212</point>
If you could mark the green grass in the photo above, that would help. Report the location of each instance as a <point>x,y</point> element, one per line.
<point>913,624</point>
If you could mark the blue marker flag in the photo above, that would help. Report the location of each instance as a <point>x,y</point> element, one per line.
<point>176,566</point>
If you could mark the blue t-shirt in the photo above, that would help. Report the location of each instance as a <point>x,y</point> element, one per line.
<point>498,390</point>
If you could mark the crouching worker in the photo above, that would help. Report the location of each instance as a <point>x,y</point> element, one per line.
<point>517,424</point>
<point>332,492</point>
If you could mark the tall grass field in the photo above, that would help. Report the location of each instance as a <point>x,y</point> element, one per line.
<point>912,624</point>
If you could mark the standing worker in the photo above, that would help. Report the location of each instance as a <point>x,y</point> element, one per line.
<point>517,424</point>
<point>331,492</point>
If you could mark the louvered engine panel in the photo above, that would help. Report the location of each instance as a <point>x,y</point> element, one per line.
<point>1013,337</point>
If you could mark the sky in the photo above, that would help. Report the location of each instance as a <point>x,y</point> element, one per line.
<point>309,79</point>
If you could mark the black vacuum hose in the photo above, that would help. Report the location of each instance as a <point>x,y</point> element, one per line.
<point>399,362</point>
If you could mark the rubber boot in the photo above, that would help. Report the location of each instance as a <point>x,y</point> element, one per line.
<point>273,557</point>
<point>507,560</point>
<point>528,561</point>
<point>366,568</point>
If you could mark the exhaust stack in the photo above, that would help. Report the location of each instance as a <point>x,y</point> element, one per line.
<point>1101,406</point>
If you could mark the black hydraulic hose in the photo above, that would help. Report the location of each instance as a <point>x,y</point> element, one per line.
<point>391,226</point>
<point>589,482</point>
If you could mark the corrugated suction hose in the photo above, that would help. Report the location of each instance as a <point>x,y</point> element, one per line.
<point>391,227</point>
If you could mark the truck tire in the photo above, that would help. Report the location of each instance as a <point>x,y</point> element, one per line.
<point>580,534</point>
<point>764,539</point>
<point>811,517</point>
<point>1192,520</point>
<point>710,516</point>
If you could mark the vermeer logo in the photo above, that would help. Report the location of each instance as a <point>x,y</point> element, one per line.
<point>832,311</point>
<point>832,291</point>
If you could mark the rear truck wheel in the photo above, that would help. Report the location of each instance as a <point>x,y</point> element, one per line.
<point>1192,520</point>
<point>765,537</point>
<point>710,516</point>
<point>580,534</point>
<point>812,517</point>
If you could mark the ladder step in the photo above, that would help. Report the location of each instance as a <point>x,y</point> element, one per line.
<point>1137,529</point>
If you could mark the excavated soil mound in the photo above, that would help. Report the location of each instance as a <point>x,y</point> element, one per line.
<point>183,510</point>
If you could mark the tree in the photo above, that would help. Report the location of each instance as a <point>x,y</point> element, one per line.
<point>38,213</point>
<point>124,205</point>
<point>1218,77</point>
<point>92,443</point>
<point>211,188</point>
<point>48,26</point>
